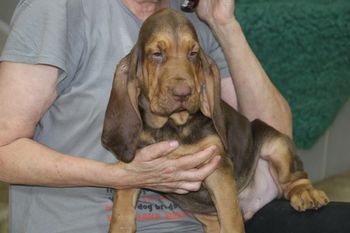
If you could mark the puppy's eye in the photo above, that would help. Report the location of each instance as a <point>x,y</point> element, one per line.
<point>158,56</point>
<point>193,54</point>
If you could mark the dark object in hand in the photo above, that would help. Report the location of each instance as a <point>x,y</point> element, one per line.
<point>189,5</point>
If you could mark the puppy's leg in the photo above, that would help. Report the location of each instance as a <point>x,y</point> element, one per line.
<point>287,168</point>
<point>222,188</point>
<point>210,222</point>
<point>124,213</point>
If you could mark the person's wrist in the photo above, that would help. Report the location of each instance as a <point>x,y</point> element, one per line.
<point>116,176</point>
<point>228,34</point>
<point>223,27</point>
<point>221,21</point>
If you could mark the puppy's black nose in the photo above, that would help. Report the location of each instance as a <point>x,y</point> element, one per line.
<point>181,92</point>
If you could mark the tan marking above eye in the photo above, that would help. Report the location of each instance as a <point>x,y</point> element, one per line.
<point>189,47</point>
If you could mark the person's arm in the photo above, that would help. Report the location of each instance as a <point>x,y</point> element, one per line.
<point>26,92</point>
<point>250,90</point>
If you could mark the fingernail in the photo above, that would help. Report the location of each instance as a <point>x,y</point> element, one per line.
<point>173,144</point>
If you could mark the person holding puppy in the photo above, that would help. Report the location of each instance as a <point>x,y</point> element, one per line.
<point>56,72</point>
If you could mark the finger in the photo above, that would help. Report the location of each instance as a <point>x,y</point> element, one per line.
<point>190,186</point>
<point>172,187</point>
<point>183,185</point>
<point>196,159</point>
<point>157,150</point>
<point>199,174</point>
<point>180,187</point>
<point>181,191</point>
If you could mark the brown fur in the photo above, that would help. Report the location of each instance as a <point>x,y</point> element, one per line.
<point>167,88</point>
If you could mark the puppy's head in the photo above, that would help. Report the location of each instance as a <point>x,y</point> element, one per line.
<point>170,79</point>
<point>167,76</point>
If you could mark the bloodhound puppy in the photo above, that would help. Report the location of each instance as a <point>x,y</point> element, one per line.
<point>167,88</point>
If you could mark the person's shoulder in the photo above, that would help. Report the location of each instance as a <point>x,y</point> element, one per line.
<point>38,8</point>
<point>53,6</point>
<point>41,3</point>
<point>58,10</point>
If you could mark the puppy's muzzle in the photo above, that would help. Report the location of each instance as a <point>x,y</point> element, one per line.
<point>181,92</point>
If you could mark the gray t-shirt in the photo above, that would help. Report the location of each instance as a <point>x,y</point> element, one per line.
<point>85,39</point>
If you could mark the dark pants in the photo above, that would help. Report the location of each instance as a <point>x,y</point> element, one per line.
<point>280,217</point>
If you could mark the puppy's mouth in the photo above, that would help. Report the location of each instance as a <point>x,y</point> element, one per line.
<point>179,113</point>
<point>177,104</point>
<point>180,107</point>
<point>169,108</point>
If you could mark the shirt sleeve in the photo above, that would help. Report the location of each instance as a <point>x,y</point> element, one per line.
<point>45,32</point>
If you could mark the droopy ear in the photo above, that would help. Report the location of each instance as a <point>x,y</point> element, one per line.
<point>233,128</point>
<point>122,124</point>
<point>211,95</point>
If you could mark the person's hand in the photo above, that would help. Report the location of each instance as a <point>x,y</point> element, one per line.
<point>216,11</point>
<point>152,169</point>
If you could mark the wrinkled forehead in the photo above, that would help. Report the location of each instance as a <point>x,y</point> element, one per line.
<point>167,26</point>
<point>165,40</point>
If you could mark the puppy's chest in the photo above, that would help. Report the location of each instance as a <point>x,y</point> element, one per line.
<point>194,136</point>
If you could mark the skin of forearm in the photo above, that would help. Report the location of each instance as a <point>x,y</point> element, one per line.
<point>256,95</point>
<point>27,162</point>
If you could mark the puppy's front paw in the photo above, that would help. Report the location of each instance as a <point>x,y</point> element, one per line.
<point>306,197</point>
